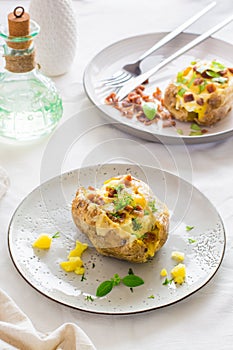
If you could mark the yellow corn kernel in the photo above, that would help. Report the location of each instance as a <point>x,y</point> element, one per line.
<point>79,270</point>
<point>178,273</point>
<point>71,264</point>
<point>163,273</point>
<point>78,250</point>
<point>42,242</point>
<point>178,256</point>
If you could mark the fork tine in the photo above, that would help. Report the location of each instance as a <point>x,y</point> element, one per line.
<point>119,82</point>
<point>115,77</point>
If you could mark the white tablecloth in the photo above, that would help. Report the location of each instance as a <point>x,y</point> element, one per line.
<point>201,321</point>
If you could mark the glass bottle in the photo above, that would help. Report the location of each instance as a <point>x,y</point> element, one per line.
<point>30,106</point>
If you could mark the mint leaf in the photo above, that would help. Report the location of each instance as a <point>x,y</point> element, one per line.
<point>150,110</point>
<point>132,281</point>
<point>104,288</point>
<point>116,280</point>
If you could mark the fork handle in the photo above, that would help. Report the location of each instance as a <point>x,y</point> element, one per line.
<point>127,87</point>
<point>176,31</point>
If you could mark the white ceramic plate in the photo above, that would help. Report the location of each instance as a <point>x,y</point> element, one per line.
<point>112,58</point>
<point>48,209</point>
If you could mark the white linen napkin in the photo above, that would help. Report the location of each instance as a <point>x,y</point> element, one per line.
<point>18,332</point>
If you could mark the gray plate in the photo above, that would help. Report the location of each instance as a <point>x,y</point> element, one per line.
<point>48,209</point>
<point>112,58</point>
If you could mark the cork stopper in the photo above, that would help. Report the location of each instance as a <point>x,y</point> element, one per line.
<point>19,26</point>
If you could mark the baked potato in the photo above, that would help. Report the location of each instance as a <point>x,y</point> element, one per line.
<point>202,92</point>
<point>123,219</point>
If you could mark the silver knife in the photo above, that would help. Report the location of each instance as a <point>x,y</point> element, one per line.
<point>134,82</point>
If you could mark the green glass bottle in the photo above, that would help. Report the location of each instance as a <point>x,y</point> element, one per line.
<point>30,106</point>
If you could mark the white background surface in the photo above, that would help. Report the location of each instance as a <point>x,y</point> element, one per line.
<point>201,321</point>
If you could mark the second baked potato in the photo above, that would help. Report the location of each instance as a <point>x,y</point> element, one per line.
<point>123,219</point>
<point>202,92</point>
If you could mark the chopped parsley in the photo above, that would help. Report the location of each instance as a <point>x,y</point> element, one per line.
<point>121,202</point>
<point>167,281</point>
<point>152,206</point>
<point>189,228</point>
<point>89,298</point>
<point>151,296</point>
<point>181,92</point>
<point>136,224</point>
<point>191,240</point>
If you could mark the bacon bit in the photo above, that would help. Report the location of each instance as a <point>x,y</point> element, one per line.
<point>211,88</point>
<point>129,208</point>
<point>198,81</point>
<point>134,98</point>
<point>157,94</point>
<point>127,180</point>
<point>95,198</point>
<point>91,188</point>
<point>111,99</point>
<point>169,123</point>
<point>188,97</point>
<point>138,207</point>
<point>111,191</point>
<point>230,70</point>
<point>147,98</point>
<point>119,218</point>
<point>223,72</point>
<point>205,75</point>
<point>200,101</point>
<point>204,131</point>
<point>126,103</point>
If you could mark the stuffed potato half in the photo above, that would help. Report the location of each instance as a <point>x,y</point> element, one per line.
<point>123,219</point>
<point>202,92</point>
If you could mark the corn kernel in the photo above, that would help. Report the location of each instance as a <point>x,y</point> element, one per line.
<point>178,256</point>
<point>42,242</point>
<point>163,273</point>
<point>79,270</point>
<point>178,273</point>
<point>72,264</point>
<point>78,250</point>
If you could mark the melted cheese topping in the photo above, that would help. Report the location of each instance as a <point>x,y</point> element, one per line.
<point>197,82</point>
<point>128,206</point>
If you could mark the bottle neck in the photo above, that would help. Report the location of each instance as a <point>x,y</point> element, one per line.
<point>20,64</point>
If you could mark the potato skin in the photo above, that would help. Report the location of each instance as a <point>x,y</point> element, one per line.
<point>85,214</point>
<point>218,106</point>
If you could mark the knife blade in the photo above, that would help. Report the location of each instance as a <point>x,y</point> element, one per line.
<point>134,82</point>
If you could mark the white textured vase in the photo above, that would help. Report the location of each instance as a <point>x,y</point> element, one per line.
<point>57,41</point>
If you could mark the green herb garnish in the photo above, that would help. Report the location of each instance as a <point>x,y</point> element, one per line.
<point>121,202</point>
<point>151,204</point>
<point>191,240</point>
<point>192,80</point>
<point>89,298</point>
<point>146,212</point>
<point>202,86</point>
<point>195,127</point>
<point>213,74</point>
<point>189,228</point>
<point>167,281</point>
<point>132,281</point>
<point>181,92</point>
<point>217,67</point>
<point>129,280</point>
<point>180,131</point>
<point>56,235</point>
<point>150,110</point>
<point>151,296</point>
<point>136,224</point>
<point>83,278</point>
<point>195,133</point>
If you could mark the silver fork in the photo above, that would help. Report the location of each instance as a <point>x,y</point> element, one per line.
<point>133,69</point>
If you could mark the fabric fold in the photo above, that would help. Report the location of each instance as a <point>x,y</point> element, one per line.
<point>18,332</point>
